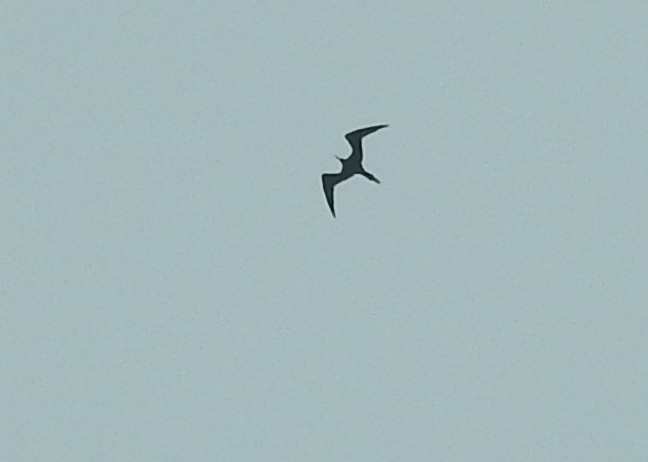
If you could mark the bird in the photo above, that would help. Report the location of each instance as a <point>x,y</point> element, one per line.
<point>351,166</point>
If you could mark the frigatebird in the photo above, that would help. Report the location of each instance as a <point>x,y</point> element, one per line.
<point>352,165</point>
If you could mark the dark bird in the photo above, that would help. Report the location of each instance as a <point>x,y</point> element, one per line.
<point>352,165</point>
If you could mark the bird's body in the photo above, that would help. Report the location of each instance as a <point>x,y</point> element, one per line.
<point>351,166</point>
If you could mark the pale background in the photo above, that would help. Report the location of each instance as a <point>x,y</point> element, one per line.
<point>173,286</point>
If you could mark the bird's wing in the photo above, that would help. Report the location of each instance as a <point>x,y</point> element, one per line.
<point>355,137</point>
<point>329,180</point>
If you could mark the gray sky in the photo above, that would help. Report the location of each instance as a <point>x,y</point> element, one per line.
<point>173,286</point>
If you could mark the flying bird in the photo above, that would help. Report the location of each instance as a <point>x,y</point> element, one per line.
<point>352,165</point>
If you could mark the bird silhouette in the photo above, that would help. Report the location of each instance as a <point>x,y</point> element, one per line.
<point>352,165</point>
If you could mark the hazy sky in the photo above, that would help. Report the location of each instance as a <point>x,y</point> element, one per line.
<point>173,286</point>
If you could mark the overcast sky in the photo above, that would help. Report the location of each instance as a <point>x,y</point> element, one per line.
<point>173,286</point>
